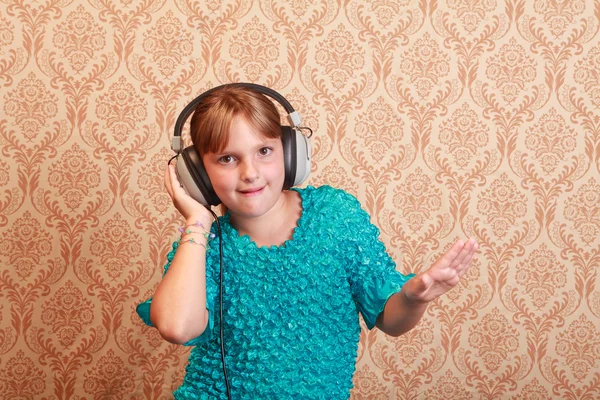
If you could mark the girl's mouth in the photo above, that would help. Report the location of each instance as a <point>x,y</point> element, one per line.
<point>252,191</point>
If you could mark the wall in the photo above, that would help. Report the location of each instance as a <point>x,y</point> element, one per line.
<point>447,119</point>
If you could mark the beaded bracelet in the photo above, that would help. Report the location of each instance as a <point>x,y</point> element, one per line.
<point>185,231</point>
<point>191,240</point>
<point>207,235</point>
<point>197,223</point>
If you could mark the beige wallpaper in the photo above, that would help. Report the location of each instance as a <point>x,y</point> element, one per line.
<point>447,119</point>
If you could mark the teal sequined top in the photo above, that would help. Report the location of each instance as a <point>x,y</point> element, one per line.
<point>291,325</point>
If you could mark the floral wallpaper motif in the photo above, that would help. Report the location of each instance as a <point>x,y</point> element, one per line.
<point>79,37</point>
<point>446,118</point>
<point>30,105</point>
<point>68,311</point>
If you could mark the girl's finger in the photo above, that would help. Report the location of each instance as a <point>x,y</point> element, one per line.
<point>427,281</point>
<point>465,265</point>
<point>176,186</point>
<point>464,254</point>
<point>419,285</point>
<point>177,190</point>
<point>451,254</point>
<point>167,181</point>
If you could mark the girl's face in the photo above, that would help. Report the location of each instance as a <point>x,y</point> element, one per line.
<point>248,174</point>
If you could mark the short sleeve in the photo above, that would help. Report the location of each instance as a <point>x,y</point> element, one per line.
<point>372,272</point>
<point>143,309</point>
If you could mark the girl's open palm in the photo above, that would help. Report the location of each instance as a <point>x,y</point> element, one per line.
<point>444,274</point>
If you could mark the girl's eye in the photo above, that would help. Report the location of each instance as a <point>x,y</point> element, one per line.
<point>265,151</point>
<point>226,160</point>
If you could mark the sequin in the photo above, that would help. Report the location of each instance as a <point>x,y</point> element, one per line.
<point>291,311</point>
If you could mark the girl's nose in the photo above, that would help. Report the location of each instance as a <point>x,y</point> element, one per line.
<point>249,172</point>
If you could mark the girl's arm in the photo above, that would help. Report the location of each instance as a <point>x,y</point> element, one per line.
<point>178,308</point>
<point>404,309</point>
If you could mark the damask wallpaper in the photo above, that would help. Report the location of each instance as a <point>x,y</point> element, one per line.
<point>446,118</point>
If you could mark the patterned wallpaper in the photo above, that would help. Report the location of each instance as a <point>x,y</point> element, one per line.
<point>447,119</point>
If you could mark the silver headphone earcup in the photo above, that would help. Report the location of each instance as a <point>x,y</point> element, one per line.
<point>187,181</point>
<point>303,157</point>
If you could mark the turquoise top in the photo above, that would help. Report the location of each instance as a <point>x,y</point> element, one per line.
<point>291,325</point>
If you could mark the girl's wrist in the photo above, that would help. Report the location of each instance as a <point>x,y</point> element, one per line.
<point>195,227</point>
<point>411,291</point>
<point>197,220</point>
<point>195,232</point>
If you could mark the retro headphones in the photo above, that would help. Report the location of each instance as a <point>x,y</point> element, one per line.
<point>296,149</point>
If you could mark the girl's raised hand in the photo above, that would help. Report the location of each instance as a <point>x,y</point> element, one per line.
<point>185,204</point>
<point>443,275</point>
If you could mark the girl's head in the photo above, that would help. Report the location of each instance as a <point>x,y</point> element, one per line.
<point>210,125</point>
<point>237,133</point>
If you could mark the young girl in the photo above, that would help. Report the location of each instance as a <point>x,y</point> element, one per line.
<point>298,266</point>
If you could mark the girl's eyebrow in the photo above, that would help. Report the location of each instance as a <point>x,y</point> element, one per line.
<point>266,142</point>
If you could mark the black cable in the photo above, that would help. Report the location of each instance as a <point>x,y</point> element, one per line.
<point>221,304</point>
<point>220,294</point>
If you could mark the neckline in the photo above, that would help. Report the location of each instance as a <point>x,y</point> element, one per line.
<point>246,240</point>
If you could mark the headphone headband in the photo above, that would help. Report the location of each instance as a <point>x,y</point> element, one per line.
<point>293,116</point>
<point>189,166</point>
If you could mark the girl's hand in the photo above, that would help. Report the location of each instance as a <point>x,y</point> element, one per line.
<point>184,203</point>
<point>443,275</point>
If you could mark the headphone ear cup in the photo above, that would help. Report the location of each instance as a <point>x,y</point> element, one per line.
<point>288,140</point>
<point>194,179</point>
<point>303,157</point>
<point>296,156</point>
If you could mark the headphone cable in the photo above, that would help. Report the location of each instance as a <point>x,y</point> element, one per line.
<point>227,387</point>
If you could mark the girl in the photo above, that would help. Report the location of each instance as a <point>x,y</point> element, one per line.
<point>298,266</point>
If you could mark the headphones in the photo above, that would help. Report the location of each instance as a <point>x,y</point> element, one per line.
<point>190,168</point>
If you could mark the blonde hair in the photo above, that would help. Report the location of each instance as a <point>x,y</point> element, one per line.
<point>211,121</point>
